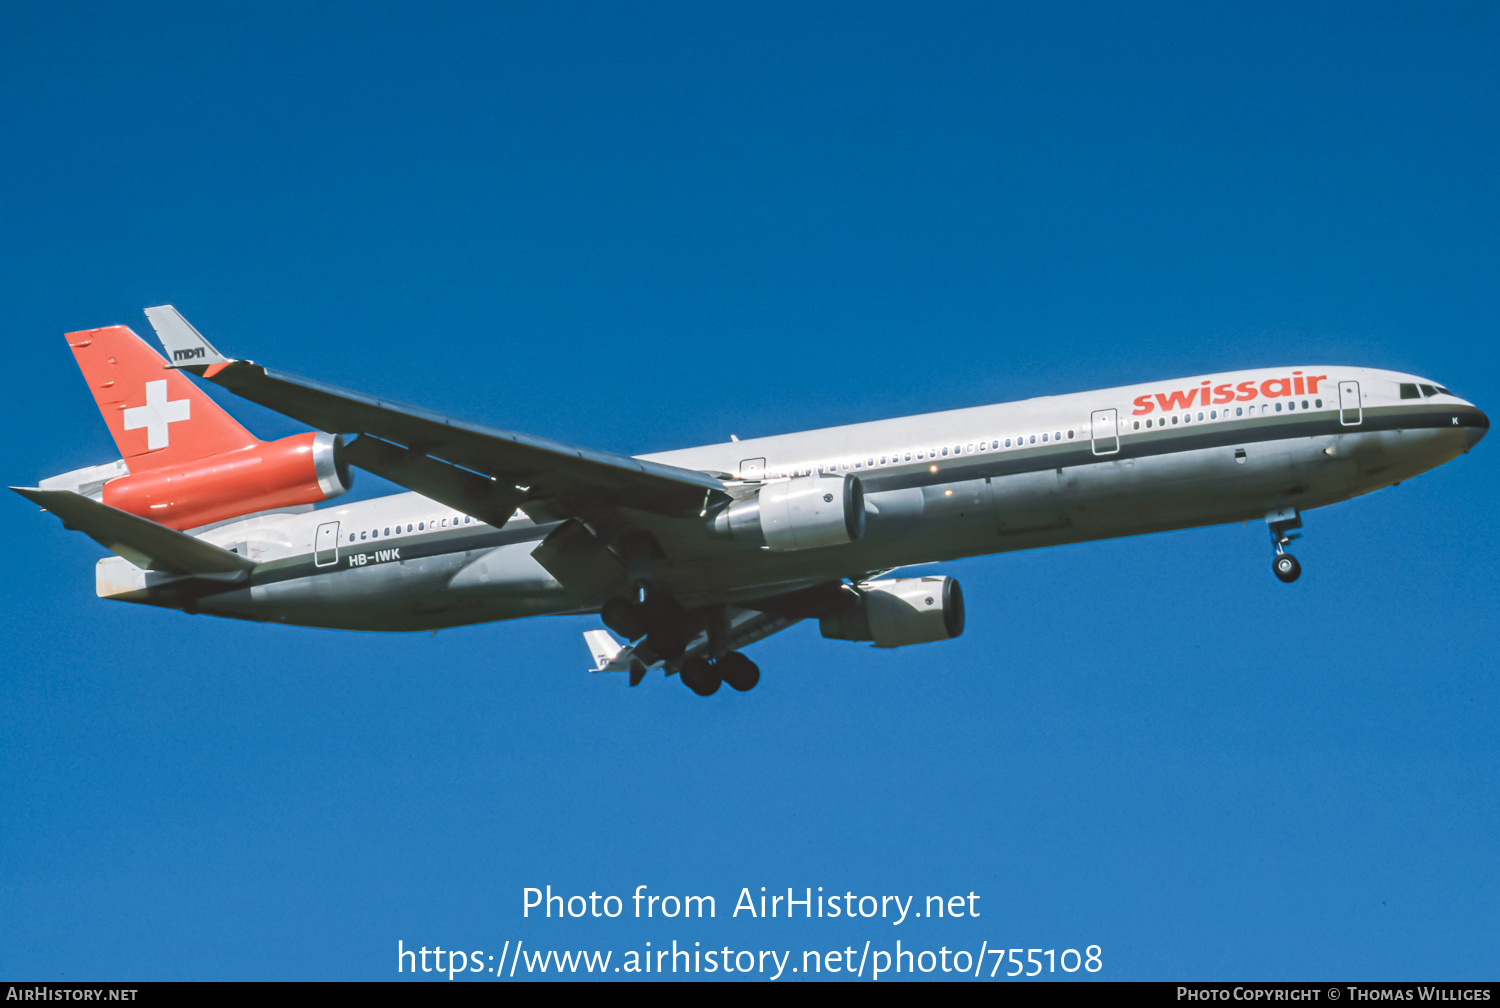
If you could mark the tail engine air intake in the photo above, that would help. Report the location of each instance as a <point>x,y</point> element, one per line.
<point>798,513</point>
<point>301,469</point>
<point>899,612</point>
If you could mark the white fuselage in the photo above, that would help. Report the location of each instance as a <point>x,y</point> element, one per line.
<point>988,479</point>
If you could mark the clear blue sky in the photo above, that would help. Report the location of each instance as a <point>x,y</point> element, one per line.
<point>646,226</point>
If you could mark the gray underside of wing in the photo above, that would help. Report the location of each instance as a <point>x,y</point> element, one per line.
<point>485,471</point>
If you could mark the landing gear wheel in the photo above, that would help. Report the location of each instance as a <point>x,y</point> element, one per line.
<point>1286,567</point>
<point>738,671</point>
<point>623,618</point>
<point>699,676</point>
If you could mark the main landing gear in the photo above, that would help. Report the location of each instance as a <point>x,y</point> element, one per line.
<point>668,628</point>
<point>1284,523</point>
<point>659,618</point>
<point>703,676</point>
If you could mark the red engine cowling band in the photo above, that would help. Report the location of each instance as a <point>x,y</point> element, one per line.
<point>301,469</point>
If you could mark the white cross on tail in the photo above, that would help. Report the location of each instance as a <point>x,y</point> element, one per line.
<point>157,414</point>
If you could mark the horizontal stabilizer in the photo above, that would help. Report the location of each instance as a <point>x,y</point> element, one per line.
<point>139,540</point>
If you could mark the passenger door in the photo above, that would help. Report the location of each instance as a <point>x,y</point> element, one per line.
<point>326,545</point>
<point>1104,427</point>
<point>1351,412</point>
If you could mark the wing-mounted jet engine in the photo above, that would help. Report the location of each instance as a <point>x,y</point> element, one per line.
<point>802,512</point>
<point>899,611</point>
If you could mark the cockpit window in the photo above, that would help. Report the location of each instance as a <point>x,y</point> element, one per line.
<point>1428,390</point>
<point>1409,391</point>
<point>1443,390</point>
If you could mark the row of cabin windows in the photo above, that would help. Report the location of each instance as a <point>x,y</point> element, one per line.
<point>897,458</point>
<point>1239,411</point>
<point>420,527</point>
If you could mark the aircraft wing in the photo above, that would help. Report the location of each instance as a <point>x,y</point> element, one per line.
<point>483,471</point>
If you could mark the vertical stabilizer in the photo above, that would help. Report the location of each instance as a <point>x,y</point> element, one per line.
<point>156,415</point>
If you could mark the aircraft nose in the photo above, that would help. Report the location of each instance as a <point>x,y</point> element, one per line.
<point>1478,427</point>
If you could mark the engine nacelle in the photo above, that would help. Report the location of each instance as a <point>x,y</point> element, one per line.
<point>798,513</point>
<point>899,612</point>
<point>301,469</point>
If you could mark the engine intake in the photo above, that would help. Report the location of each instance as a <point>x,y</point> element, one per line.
<point>301,469</point>
<point>803,512</point>
<point>900,611</point>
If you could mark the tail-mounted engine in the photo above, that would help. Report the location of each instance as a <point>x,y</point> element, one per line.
<point>899,612</point>
<point>301,469</point>
<point>798,513</point>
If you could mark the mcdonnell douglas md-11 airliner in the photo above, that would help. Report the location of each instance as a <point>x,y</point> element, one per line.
<point>692,555</point>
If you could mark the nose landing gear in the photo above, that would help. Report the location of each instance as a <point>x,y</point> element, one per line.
<point>1284,523</point>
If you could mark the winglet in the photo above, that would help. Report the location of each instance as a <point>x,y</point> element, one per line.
<point>184,345</point>
<point>603,648</point>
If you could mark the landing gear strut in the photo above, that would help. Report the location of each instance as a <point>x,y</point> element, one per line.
<point>1284,523</point>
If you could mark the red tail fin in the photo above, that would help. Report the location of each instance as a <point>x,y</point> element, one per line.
<point>157,416</point>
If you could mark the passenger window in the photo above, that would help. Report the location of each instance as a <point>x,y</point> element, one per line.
<point>1213,414</point>
<point>467,519</point>
<point>1304,404</point>
<point>908,456</point>
<point>1200,416</point>
<point>1057,435</point>
<point>421,526</point>
<point>995,444</point>
<point>387,531</point>
<point>408,528</point>
<point>1239,411</point>
<point>970,449</point>
<point>945,449</point>
<point>361,536</point>
<point>1070,435</point>
<point>1033,439</point>
<point>351,536</point>
<point>1137,425</point>
<point>445,523</point>
<point>1174,419</point>
<point>1278,407</point>
<point>1318,403</point>
<point>1044,439</point>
